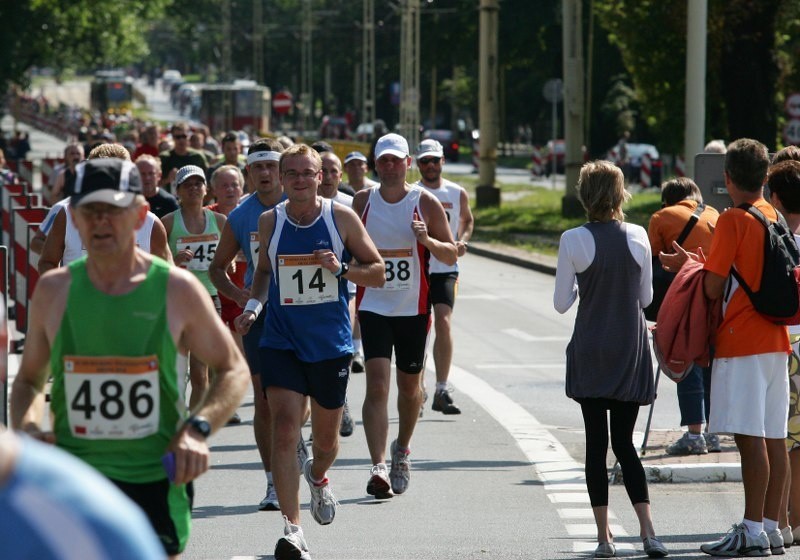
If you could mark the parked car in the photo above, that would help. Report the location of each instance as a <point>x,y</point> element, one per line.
<point>633,170</point>
<point>448,140</point>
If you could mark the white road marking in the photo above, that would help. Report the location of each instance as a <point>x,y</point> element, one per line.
<point>488,297</point>
<point>561,474</point>
<point>520,366</point>
<point>527,337</point>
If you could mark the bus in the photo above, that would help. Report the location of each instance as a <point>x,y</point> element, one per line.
<point>243,105</point>
<point>111,90</point>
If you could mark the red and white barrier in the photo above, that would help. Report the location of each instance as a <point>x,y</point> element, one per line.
<point>536,162</point>
<point>646,172</point>
<point>680,166</point>
<point>48,168</point>
<point>25,171</point>
<point>25,275</point>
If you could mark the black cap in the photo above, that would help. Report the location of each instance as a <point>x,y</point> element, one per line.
<point>107,180</point>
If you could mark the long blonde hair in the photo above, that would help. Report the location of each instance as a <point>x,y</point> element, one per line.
<point>601,190</point>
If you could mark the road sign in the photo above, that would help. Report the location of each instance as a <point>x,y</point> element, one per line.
<point>282,102</point>
<point>553,90</point>
<point>793,105</point>
<point>791,131</point>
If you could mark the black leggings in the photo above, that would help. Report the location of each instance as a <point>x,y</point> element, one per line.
<point>623,419</point>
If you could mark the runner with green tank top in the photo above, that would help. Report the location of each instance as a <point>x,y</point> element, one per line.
<point>114,329</point>
<point>193,233</point>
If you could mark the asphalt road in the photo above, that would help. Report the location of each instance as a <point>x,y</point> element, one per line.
<point>502,480</point>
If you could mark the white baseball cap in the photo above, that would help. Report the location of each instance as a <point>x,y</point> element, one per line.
<point>391,144</point>
<point>430,148</point>
<point>189,171</point>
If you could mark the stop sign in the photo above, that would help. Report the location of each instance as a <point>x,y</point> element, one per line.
<point>282,102</point>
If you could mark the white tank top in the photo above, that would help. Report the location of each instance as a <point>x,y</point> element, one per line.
<point>405,292</point>
<point>74,249</point>
<point>449,194</point>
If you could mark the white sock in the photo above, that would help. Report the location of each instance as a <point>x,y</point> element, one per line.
<point>770,525</point>
<point>754,528</point>
<point>269,477</point>
<point>694,436</point>
<point>441,386</point>
<point>357,346</point>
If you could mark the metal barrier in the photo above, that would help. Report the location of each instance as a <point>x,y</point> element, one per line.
<point>48,168</point>
<point>25,276</point>
<point>4,356</point>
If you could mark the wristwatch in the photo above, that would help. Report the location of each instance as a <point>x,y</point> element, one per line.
<point>344,270</point>
<point>200,424</point>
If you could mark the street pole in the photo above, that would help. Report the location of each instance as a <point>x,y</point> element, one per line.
<point>488,122</point>
<point>694,136</point>
<point>368,63</point>
<point>226,70</point>
<point>409,72</point>
<point>258,41</point>
<point>573,105</point>
<point>554,135</point>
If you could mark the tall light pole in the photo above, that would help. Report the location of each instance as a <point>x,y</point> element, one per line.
<point>368,63</point>
<point>258,41</point>
<point>574,105</point>
<point>695,129</point>
<point>226,71</point>
<point>488,119</point>
<point>306,68</point>
<point>409,71</point>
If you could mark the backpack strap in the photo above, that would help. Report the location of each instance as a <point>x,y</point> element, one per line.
<point>693,219</point>
<point>759,215</point>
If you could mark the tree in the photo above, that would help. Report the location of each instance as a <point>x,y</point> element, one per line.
<point>72,34</point>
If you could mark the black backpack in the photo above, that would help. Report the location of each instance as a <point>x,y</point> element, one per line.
<point>778,298</point>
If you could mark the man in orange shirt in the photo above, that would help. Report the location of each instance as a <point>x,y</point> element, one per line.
<point>749,382</point>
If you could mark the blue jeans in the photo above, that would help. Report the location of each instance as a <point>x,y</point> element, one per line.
<point>694,396</point>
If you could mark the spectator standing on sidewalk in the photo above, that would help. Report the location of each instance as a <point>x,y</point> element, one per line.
<point>749,381</point>
<point>783,182</point>
<point>444,277</point>
<point>606,265</point>
<point>680,199</point>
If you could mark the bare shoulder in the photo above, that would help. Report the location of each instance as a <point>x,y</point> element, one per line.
<point>360,200</point>
<point>53,283</point>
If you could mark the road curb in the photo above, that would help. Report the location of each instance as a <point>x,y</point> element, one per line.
<point>517,257</point>
<point>717,472</point>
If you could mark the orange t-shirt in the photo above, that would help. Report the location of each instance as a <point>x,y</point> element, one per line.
<point>739,241</point>
<point>668,223</point>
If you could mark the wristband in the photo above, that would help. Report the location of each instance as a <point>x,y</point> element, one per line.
<point>254,306</point>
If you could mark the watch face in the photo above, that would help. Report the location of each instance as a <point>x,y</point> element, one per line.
<point>201,425</point>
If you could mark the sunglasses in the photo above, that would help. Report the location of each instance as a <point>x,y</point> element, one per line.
<point>179,136</point>
<point>426,161</point>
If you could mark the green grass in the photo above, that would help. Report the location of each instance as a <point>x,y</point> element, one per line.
<point>534,221</point>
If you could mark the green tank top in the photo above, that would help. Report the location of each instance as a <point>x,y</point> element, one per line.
<point>118,380</point>
<point>202,245</point>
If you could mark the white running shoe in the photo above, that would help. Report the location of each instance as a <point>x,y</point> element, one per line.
<point>292,545</point>
<point>737,542</point>
<point>270,501</point>
<point>776,542</point>
<point>378,484</point>
<point>400,473</point>
<point>302,454</point>
<point>323,502</point>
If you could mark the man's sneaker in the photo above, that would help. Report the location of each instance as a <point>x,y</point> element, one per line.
<point>712,443</point>
<point>737,542</point>
<point>378,484</point>
<point>235,419</point>
<point>788,537</point>
<point>688,446</point>
<point>323,503</point>
<point>776,542</point>
<point>358,363</point>
<point>424,400</point>
<point>292,545</point>
<point>347,425</point>
<point>270,501</point>
<point>302,453</point>
<point>400,472</point>
<point>443,402</point>
<point>605,550</point>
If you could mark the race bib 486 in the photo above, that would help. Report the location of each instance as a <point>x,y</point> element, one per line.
<point>112,397</point>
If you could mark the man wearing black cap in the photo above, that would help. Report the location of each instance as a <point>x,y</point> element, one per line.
<point>113,328</point>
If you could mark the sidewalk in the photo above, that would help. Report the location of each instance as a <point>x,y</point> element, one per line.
<point>660,467</point>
